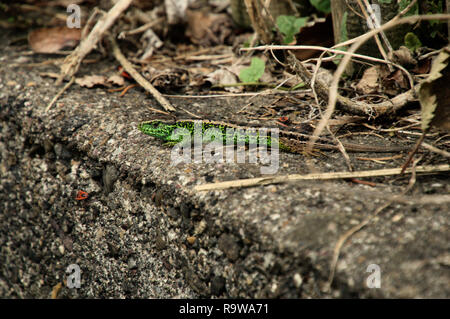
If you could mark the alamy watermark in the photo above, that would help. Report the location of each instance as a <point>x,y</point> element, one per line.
<point>214,145</point>
<point>74,276</point>
<point>74,19</point>
<point>374,279</point>
<point>375,16</point>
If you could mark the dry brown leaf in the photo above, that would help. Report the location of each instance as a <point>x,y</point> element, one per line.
<point>403,57</point>
<point>200,70</point>
<point>369,81</point>
<point>51,40</point>
<point>91,80</point>
<point>116,80</point>
<point>434,94</point>
<point>223,76</point>
<point>267,77</point>
<point>167,76</point>
<point>208,28</point>
<point>242,63</point>
<point>196,80</point>
<point>377,79</point>
<point>422,67</point>
<point>197,75</point>
<point>395,82</point>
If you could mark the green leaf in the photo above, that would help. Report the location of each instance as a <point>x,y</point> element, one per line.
<point>412,42</point>
<point>290,26</point>
<point>413,11</point>
<point>298,86</point>
<point>254,72</point>
<point>321,5</point>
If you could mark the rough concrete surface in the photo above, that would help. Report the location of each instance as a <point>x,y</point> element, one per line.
<point>143,232</point>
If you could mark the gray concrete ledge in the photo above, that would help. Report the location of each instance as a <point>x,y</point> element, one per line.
<point>145,233</point>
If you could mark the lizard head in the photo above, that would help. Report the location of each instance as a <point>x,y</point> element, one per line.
<point>157,128</point>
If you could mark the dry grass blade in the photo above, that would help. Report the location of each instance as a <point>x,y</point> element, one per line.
<point>316,176</point>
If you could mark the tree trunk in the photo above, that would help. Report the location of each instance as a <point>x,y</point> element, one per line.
<point>448,22</point>
<point>349,22</point>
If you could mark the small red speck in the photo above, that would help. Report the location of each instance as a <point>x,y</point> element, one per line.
<point>283,120</point>
<point>124,73</point>
<point>81,195</point>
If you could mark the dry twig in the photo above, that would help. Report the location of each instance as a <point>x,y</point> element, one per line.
<point>73,61</point>
<point>60,93</point>
<point>435,150</point>
<point>356,107</point>
<point>138,77</point>
<point>333,94</point>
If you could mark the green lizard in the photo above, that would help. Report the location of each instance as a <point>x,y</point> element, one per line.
<point>226,132</point>
<point>288,141</point>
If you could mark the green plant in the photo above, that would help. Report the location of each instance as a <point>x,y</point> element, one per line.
<point>412,42</point>
<point>254,72</point>
<point>289,26</point>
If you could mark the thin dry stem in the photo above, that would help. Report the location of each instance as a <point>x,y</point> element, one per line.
<point>138,77</point>
<point>316,176</point>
